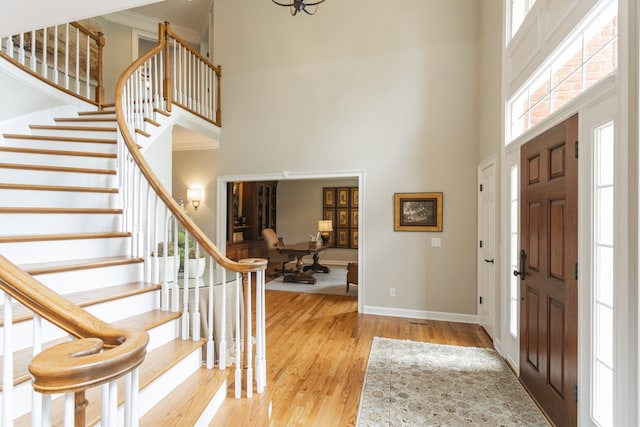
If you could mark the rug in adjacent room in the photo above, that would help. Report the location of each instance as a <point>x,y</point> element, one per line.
<point>411,383</point>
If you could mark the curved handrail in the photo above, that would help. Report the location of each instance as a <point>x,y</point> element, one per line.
<point>101,352</point>
<point>205,243</point>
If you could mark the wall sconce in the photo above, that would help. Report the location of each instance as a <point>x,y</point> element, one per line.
<point>325,227</point>
<point>194,195</point>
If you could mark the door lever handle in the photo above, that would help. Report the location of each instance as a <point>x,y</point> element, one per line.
<point>520,272</point>
<point>489,261</point>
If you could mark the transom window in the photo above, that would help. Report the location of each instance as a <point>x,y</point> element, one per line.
<point>519,10</point>
<point>586,57</point>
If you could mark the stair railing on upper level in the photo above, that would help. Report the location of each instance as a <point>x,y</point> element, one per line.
<point>173,74</point>
<point>98,356</point>
<point>67,56</point>
<point>150,211</point>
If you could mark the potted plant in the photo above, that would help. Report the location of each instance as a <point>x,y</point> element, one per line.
<point>196,266</point>
<point>158,257</point>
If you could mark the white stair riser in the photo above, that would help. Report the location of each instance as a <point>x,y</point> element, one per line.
<point>21,224</point>
<point>92,278</point>
<point>162,334</point>
<point>61,145</point>
<point>100,134</point>
<point>110,311</point>
<point>162,386</point>
<point>60,250</point>
<point>19,176</point>
<point>59,199</point>
<point>58,160</point>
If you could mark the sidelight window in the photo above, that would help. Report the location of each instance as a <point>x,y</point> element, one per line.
<point>602,364</point>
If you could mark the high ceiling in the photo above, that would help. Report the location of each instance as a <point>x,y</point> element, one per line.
<point>192,14</point>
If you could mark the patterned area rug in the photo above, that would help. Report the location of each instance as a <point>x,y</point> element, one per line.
<point>333,283</point>
<point>419,384</point>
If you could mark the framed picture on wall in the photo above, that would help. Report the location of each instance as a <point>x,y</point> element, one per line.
<point>354,238</point>
<point>329,197</point>
<point>343,197</point>
<point>418,212</point>
<point>343,217</point>
<point>328,214</point>
<point>354,197</point>
<point>354,218</point>
<point>342,238</point>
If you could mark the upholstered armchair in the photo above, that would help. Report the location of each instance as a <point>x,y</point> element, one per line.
<point>271,243</point>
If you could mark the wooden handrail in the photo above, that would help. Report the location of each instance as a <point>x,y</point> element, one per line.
<point>205,243</point>
<point>101,352</point>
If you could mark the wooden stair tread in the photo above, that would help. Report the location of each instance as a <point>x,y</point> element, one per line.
<point>78,264</point>
<point>98,112</point>
<point>143,133</point>
<point>59,138</point>
<point>38,187</point>
<point>88,298</point>
<point>85,119</point>
<point>146,321</point>
<point>184,405</point>
<point>163,112</point>
<point>155,364</point>
<point>58,152</point>
<point>57,168</point>
<point>74,128</point>
<point>152,122</point>
<point>70,236</point>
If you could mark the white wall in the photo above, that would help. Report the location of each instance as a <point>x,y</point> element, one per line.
<point>371,85</point>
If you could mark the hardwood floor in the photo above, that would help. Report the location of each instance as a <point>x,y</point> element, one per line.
<point>317,352</point>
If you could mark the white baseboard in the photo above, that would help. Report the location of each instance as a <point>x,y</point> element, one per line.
<point>421,314</point>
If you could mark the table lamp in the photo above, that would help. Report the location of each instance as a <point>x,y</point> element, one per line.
<point>325,228</point>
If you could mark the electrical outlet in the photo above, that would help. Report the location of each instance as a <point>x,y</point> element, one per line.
<point>436,242</point>
<point>392,292</point>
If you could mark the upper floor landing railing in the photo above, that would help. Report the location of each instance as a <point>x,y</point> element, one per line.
<point>67,56</point>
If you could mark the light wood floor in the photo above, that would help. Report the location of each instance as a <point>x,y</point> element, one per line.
<point>317,352</point>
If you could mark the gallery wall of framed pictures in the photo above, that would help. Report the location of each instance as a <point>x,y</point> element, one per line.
<point>340,205</point>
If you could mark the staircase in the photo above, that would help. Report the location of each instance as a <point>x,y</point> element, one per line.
<point>62,220</point>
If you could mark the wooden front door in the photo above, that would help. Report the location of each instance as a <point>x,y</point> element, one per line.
<point>548,270</point>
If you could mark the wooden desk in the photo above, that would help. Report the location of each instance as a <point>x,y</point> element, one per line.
<point>299,250</point>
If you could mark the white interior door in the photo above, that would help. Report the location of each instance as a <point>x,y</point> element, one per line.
<point>486,245</point>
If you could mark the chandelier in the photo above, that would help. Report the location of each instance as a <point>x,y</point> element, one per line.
<point>299,6</point>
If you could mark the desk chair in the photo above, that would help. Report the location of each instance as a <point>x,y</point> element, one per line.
<point>352,274</point>
<point>271,243</point>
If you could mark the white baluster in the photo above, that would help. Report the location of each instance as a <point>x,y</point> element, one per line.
<point>165,260</point>
<point>104,404</point>
<point>222,361</point>
<point>247,336</point>
<point>185,285</point>
<point>21,58</point>
<point>88,68</point>
<point>36,398</point>
<point>259,337</point>
<point>176,289</point>
<point>33,51</point>
<point>66,57</point>
<point>69,409</point>
<point>238,372</point>
<point>46,411</point>
<point>7,362</point>
<point>45,67</point>
<point>196,296</point>
<point>210,343</point>
<point>78,60</point>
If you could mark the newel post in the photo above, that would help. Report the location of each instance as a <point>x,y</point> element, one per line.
<point>246,359</point>
<point>167,84</point>
<point>100,42</point>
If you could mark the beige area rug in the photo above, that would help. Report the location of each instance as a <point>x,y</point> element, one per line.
<point>333,283</point>
<point>420,384</point>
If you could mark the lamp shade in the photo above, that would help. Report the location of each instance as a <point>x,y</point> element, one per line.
<point>194,194</point>
<point>325,225</point>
